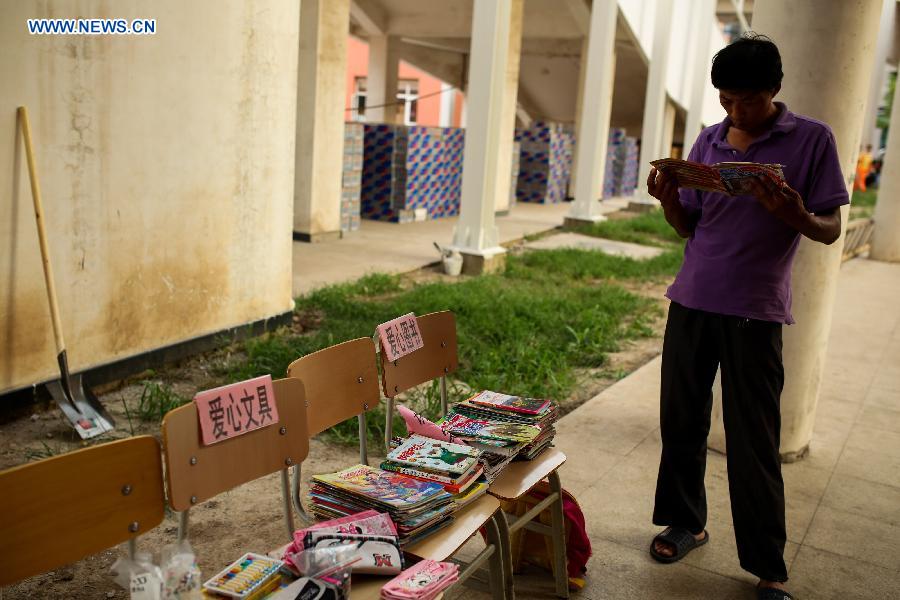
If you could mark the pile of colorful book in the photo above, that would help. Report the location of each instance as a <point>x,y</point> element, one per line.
<point>417,507</point>
<point>503,427</point>
<point>457,467</point>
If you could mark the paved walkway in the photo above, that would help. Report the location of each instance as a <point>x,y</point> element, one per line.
<point>346,259</point>
<point>843,501</point>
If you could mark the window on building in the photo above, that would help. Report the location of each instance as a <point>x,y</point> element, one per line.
<point>407,98</point>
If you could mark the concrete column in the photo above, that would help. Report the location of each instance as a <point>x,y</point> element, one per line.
<point>886,32</point>
<point>508,115</point>
<point>827,50</point>
<point>886,238</point>
<point>667,132</point>
<point>476,235</point>
<point>381,81</point>
<point>655,101</point>
<point>596,105</point>
<point>579,95</point>
<point>704,11</point>
<point>448,105</point>
<point>320,118</point>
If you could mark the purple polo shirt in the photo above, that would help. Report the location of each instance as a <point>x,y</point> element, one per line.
<point>738,261</point>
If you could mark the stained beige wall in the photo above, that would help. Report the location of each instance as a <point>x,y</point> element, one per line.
<point>166,164</point>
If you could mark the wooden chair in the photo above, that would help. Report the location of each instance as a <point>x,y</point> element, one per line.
<point>64,508</point>
<point>342,382</point>
<point>439,358</point>
<point>195,473</point>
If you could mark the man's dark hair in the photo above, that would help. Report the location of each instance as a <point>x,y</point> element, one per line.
<point>750,63</point>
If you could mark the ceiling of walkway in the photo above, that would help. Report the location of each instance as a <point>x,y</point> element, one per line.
<point>435,38</point>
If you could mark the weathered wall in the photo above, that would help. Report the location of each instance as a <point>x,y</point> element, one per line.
<point>166,165</point>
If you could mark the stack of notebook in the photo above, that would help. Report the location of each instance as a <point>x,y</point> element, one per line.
<point>454,466</point>
<point>417,507</point>
<point>504,426</point>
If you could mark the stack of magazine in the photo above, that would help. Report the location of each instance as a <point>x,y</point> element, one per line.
<point>493,406</point>
<point>502,426</point>
<point>417,507</point>
<point>454,466</point>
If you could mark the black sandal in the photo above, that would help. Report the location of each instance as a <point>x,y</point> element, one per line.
<point>770,593</point>
<point>682,540</point>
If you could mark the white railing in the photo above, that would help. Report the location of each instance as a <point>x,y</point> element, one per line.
<point>858,237</point>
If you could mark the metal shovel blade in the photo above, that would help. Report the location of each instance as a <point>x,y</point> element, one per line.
<point>81,407</point>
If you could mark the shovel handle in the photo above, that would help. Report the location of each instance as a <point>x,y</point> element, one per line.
<point>42,235</point>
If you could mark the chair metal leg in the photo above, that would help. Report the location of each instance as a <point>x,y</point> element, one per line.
<point>497,571</point>
<point>506,555</point>
<point>444,395</point>
<point>363,439</point>
<point>286,497</point>
<point>559,538</point>
<point>389,425</point>
<point>182,525</point>
<point>295,497</point>
<point>132,548</point>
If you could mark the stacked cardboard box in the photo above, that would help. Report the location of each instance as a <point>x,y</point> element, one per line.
<point>351,177</point>
<point>545,162</point>
<point>620,178</point>
<point>411,173</point>
<point>514,173</point>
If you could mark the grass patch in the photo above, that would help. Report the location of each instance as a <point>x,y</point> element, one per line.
<point>156,400</point>
<point>862,204</point>
<point>650,229</point>
<point>523,331</point>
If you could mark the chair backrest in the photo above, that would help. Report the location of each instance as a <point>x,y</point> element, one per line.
<point>196,473</point>
<point>438,356</point>
<point>63,508</point>
<point>341,382</point>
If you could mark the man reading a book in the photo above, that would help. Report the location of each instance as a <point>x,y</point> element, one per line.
<point>729,302</point>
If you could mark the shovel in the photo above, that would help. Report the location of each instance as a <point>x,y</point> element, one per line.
<point>79,405</point>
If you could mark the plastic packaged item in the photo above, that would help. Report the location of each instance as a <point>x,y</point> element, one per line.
<point>180,574</point>
<point>331,565</point>
<point>141,577</point>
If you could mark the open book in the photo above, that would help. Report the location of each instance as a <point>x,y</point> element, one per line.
<point>731,178</point>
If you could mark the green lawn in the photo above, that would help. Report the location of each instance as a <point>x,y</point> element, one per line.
<point>862,204</point>
<point>524,331</point>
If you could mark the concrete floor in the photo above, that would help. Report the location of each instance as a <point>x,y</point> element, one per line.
<point>346,259</point>
<point>843,500</point>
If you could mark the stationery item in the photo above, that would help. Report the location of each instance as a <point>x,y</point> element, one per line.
<point>310,588</point>
<point>372,554</point>
<point>247,578</point>
<point>420,452</point>
<point>519,404</point>
<point>422,581</point>
<point>330,565</point>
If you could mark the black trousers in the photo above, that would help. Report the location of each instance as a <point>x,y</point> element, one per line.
<point>749,352</point>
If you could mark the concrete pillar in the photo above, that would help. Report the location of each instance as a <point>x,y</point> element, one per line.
<point>320,118</point>
<point>704,11</point>
<point>579,95</point>
<point>448,105</point>
<point>886,237</point>
<point>596,105</point>
<point>667,132</point>
<point>655,101</point>
<point>886,32</point>
<point>381,81</point>
<point>476,235</point>
<point>827,50</point>
<point>508,115</point>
